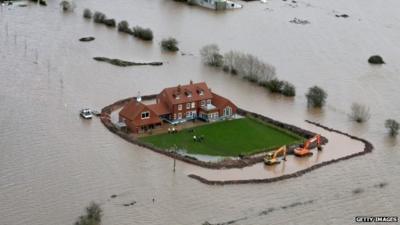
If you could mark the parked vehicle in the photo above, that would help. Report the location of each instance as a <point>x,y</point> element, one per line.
<point>86,113</point>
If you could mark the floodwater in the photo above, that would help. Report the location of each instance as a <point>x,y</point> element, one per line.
<point>53,164</point>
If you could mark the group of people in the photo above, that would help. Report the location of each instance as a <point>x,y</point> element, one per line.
<point>198,138</point>
<point>172,130</point>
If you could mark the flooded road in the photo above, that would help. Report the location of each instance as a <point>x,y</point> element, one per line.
<point>53,164</point>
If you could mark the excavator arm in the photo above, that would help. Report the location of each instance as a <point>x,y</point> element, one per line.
<point>271,159</point>
<point>305,150</point>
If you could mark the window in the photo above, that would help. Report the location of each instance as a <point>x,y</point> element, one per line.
<point>180,107</point>
<point>189,94</point>
<point>188,105</point>
<point>174,116</point>
<point>227,111</point>
<point>145,115</point>
<point>188,114</point>
<point>193,105</point>
<point>203,103</point>
<point>208,101</point>
<point>179,116</point>
<point>201,92</point>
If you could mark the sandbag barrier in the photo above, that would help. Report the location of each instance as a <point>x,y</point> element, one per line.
<point>368,147</point>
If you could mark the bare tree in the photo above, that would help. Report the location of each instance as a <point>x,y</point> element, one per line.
<point>231,60</point>
<point>210,55</point>
<point>393,127</point>
<point>248,67</point>
<point>359,113</point>
<point>256,70</point>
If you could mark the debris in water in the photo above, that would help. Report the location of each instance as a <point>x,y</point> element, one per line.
<point>358,191</point>
<point>113,196</point>
<point>263,213</point>
<point>342,15</point>
<point>129,204</point>
<point>86,39</point>
<point>381,185</point>
<point>299,21</point>
<point>266,212</point>
<point>119,62</point>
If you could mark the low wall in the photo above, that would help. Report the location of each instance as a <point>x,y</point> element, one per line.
<point>225,164</point>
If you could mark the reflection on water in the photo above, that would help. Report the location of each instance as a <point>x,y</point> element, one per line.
<point>52,163</point>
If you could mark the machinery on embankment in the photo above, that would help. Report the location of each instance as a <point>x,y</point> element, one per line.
<point>305,150</point>
<point>272,157</point>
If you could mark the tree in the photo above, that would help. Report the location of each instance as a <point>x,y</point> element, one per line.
<point>67,5</point>
<point>123,26</point>
<point>252,67</point>
<point>87,14</point>
<point>288,89</point>
<point>145,34</point>
<point>359,113</point>
<point>393,127</point>
<point>99,17</point>
<point>316,97</point>
<point>274,85</point>
<point>231,60</point>
<point>210,55</point>
<point>170,44</point>
<point>248,66</point>
<point>92,217</point>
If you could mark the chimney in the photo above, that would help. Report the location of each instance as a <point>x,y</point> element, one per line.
<point>139,98</point>
<point>191,82</point>
<point>179,88</point>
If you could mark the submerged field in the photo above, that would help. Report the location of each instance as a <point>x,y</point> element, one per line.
<point>227,138</point>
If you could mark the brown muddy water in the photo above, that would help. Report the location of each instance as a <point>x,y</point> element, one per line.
<point>52,163</point>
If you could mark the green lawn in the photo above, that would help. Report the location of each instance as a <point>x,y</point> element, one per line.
<point>227,138</point>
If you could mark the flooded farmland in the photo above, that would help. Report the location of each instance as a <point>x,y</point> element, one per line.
<point>53,164</point>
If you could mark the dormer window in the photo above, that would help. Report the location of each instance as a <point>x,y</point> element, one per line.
<point>177,97</point>
<point>145,115</point>
<point>201,92</point>
<point>188,93</point>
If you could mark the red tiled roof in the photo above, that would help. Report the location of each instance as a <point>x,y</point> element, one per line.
<point>220,102</point>
<point>132,109</point>
<point>183,92</point>
<point>159,108</point>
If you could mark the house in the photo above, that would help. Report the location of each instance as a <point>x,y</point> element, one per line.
<point>177,105</point>
<point>215,4</point>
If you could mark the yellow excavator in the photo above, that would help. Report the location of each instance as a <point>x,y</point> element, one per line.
<point>271,157</point>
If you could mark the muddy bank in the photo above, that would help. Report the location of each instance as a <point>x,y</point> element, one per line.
<point>224,164</point>
<point>123,63</point>
<point>368,147</point>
